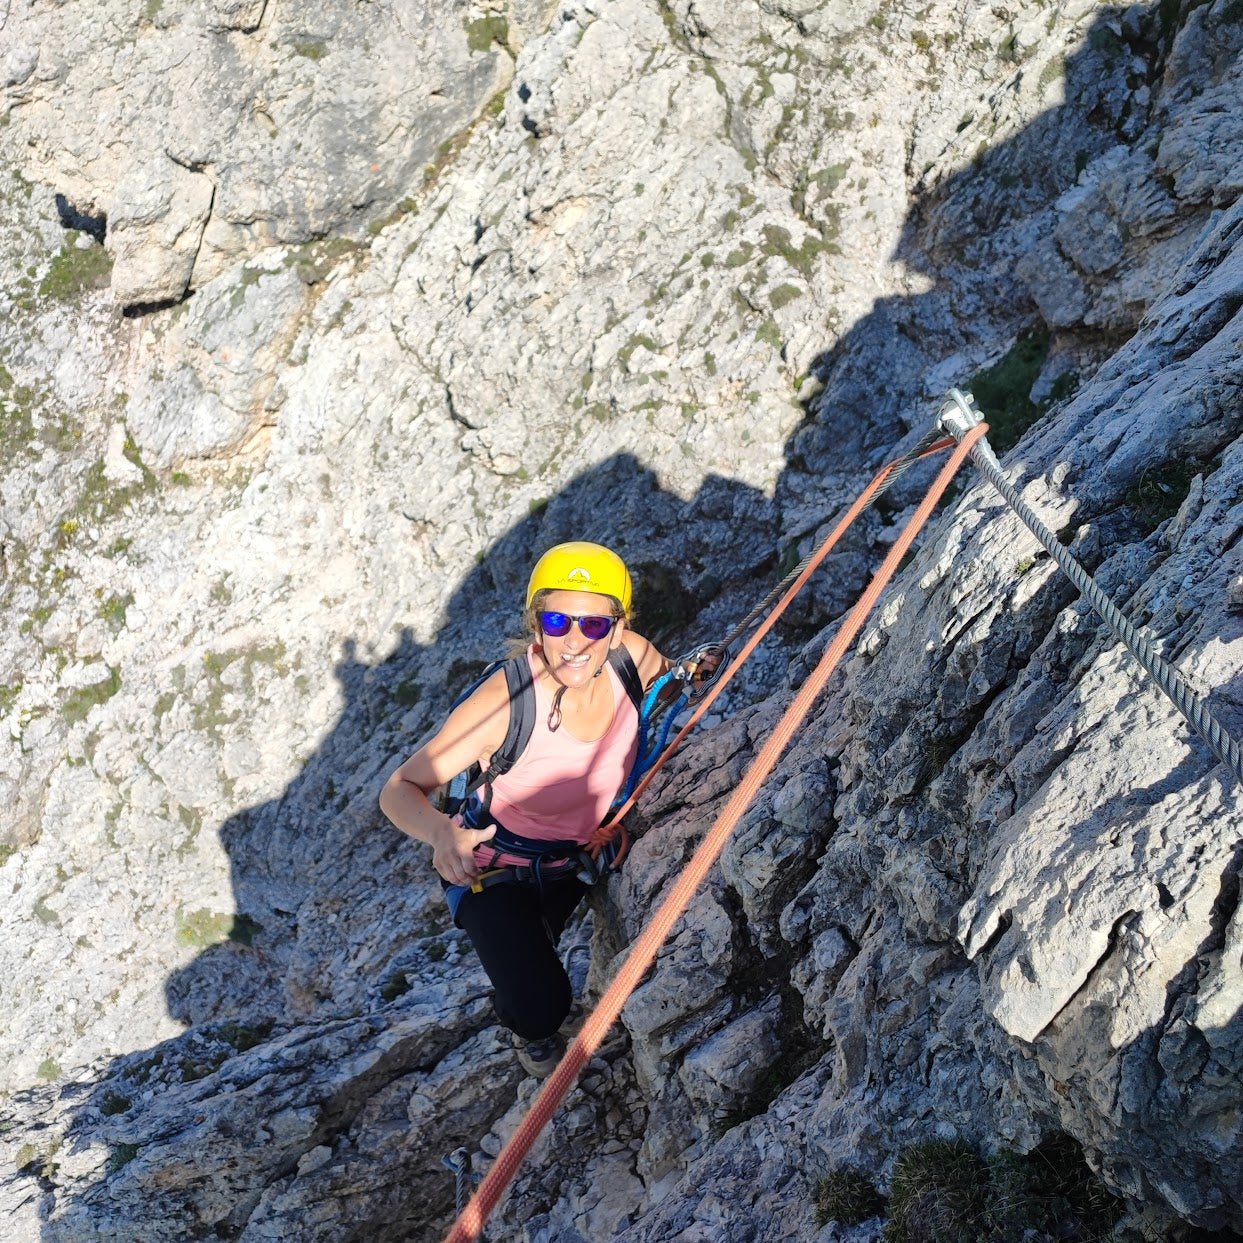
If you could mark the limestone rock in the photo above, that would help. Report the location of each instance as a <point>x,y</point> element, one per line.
<point>216,130</point>
<point>452,283</point>
<point>156,221</point>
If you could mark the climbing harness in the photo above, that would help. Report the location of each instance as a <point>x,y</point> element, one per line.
<point>647,944</point>
<point>543,861</point>
<point>958,416</point>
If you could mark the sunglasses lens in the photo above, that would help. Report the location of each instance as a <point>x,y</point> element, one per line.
<point>555,624</point>
<point>595,627</point>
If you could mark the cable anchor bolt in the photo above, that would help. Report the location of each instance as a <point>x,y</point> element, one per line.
<point>958,414</point>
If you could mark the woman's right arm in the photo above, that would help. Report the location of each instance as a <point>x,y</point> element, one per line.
<point>473,731</point>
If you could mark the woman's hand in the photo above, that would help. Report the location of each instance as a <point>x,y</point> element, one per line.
<point>453,851</point>
<point>711,658</point>
<point>699,668</point>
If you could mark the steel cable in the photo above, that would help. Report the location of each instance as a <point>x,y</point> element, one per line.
<point>958,416</point>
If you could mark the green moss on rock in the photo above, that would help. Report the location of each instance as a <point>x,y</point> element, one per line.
<point>75,269</point>
<point>78,704</point>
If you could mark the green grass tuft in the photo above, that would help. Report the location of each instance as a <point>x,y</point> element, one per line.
<point>937,1193</point>
<point>397,984</point>
<point>408,693</point>
<point>79,703</point>
<point>1003,391</point>
<point>847,1196</point>
<point>482,34</point>
<point>1161,491</point>
<point>942,1191</point>
<point>203,928</point>
<point>114,1103</point>
<point>783,295</point>
<point>121,1156</point>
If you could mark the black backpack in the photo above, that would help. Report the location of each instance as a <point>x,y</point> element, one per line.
<point>452,797</point>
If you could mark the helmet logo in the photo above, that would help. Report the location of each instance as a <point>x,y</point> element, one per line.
<point>579,573</point>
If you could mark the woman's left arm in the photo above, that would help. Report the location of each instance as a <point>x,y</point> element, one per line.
<point>649,662</point>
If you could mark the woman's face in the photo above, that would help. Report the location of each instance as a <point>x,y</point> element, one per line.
<point>573,659</point>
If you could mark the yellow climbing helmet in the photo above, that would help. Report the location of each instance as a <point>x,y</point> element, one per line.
<point>580,566</point>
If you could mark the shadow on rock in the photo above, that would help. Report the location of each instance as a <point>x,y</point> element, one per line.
<point>341,1040</point>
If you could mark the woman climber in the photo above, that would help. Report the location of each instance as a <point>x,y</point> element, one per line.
<point>514,859</point>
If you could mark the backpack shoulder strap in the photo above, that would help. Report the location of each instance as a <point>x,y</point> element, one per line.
<point>625,668</point>
<point>521,687</point>
<point>521,714</point>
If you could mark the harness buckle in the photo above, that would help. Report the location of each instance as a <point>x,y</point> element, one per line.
<point>484,879</point>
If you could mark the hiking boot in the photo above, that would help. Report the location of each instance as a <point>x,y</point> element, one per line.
<point>573,1022</point>
<point>540,1057</point>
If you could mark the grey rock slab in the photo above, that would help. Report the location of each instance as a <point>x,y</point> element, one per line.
<point>491,276</point>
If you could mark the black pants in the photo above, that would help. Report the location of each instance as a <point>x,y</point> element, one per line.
<point>514,929</point>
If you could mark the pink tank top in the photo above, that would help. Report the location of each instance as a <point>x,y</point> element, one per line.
<point>561,788</point>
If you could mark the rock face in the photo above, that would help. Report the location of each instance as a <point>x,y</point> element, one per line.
<point>206,131</point>
<point>319,323</point>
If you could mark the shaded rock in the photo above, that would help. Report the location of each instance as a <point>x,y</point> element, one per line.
<point>678,278</point>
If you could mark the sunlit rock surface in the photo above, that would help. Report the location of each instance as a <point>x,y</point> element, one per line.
<point>319,324</point>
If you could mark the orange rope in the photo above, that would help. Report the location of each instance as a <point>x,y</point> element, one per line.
<point>718,686</point>
<point>653,936</point>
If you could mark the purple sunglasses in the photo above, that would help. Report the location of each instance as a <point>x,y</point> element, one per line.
<point>591,627</point>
